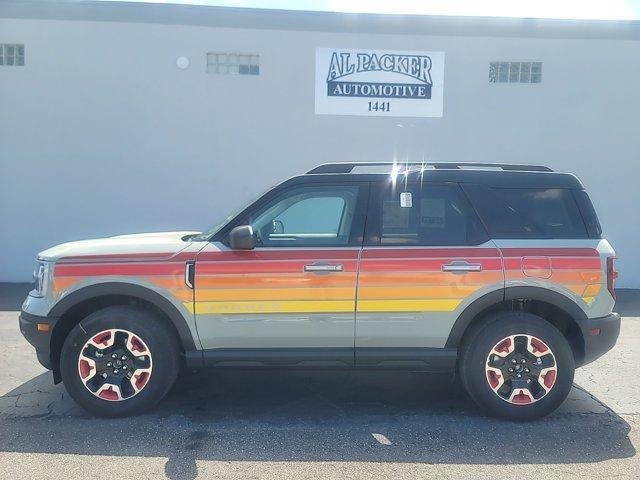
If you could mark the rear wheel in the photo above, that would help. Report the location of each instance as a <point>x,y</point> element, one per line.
<point>516,365</point>
<point>119,361</point>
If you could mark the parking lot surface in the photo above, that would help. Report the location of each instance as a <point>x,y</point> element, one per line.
<point>317,425</point>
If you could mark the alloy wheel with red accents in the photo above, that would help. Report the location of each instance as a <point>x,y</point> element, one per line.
<point>115,364</point>
<point>521,369</point>
<point>516,365</point>
<point>120,360</point>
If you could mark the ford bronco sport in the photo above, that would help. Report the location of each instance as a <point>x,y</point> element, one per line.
<point>498,273</point>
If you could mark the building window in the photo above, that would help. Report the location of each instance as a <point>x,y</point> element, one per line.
<point>233,63</point>
<point>515,72</point>
<point>11,54</point>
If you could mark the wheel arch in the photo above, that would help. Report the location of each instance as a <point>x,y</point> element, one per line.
<point>554,307</point>
<point>78,304</point>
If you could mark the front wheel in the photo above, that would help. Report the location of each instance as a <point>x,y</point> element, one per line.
<point>517,366</point>
<point>119,361</point>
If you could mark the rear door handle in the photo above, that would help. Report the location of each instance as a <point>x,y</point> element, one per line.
<point>323,268</point>
<point>461,267</point>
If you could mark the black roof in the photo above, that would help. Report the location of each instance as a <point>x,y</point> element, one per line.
<point>490,174</point>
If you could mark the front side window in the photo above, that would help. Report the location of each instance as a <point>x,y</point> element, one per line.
<point>308,216</point>
<point>427,214</point>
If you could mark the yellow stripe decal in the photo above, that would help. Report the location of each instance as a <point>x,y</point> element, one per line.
<point>591,290</point>
<point>317,294</point>
<point>337,306</point>
<point>330,306</point>
<point>416,292</point>
<point>431,305</point>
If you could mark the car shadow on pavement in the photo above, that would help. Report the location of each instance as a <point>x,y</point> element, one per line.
<point>311,416</point>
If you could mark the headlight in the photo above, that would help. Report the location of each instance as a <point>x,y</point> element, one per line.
<point>40,279</point>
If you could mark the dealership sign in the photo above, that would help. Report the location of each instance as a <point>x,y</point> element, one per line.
<point>379,82</point>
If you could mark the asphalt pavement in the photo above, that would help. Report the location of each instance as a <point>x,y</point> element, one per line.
<point>312,425</point>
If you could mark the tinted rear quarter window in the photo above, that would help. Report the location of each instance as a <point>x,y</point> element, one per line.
<point>528,212</point>
<point>588,213</point>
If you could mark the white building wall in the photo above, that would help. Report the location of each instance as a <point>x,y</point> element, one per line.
<point>101,134</point>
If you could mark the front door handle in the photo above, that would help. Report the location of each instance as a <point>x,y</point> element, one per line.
<point>461,267</point>
<point>323,267</point>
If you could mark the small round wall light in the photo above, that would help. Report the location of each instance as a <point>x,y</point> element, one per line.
<point>182,63</point>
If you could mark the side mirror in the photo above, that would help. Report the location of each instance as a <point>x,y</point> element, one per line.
<point>241,238</point>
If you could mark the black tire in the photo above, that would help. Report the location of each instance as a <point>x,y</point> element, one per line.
<point>480,341</point>
<point>156,335</point>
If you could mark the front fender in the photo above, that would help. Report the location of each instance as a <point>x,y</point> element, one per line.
<point>184,324</point>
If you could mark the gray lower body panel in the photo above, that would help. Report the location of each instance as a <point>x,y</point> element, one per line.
<point>422,359</point>
<point>418,359</point>
<point>276,331</point>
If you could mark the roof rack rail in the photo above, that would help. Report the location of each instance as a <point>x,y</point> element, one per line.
<point>348,167</point>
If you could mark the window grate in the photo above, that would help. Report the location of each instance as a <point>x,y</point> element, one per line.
<point>12,54</point>
<point>515,72</point>
<point>233,63</point>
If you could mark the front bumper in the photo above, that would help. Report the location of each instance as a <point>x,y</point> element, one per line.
<point>39,338</point>
<point>597,344</point>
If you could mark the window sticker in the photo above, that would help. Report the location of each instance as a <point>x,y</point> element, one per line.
<point>406,200</point>
<point>432,213</point>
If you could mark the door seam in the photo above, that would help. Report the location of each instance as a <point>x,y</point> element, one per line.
<point>355,305</point>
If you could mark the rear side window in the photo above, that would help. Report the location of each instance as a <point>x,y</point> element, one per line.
<point>428,215</point>
<point>528,212</point>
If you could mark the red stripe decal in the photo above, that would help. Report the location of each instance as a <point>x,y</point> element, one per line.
<point>430,252</point>
<point>556,263</point>
<point>130,257</point>
<point>534,263</point>
<point>210,268</point>
<point>119,269</point>
<point>279,254</point>
<point>550,252</point>
<point>422,265</point>
<point>575,263</point>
